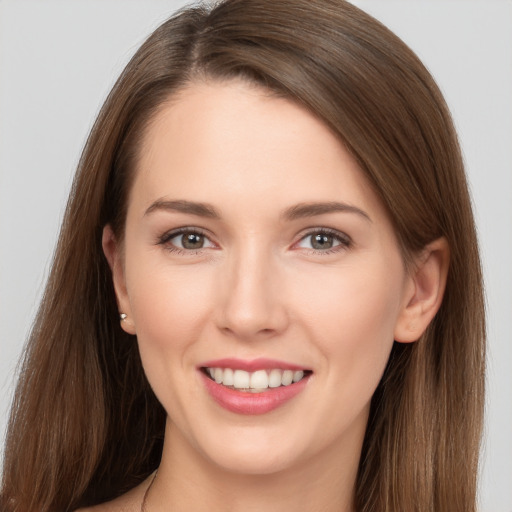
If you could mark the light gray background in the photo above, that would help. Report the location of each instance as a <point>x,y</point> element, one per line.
<point>58,59</point>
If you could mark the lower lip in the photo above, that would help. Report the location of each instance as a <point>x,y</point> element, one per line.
<point>252,403</point>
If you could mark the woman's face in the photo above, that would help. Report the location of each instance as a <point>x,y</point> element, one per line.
<point>255,250</point>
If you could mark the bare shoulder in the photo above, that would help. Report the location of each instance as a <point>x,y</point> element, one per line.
<point>129,502</point>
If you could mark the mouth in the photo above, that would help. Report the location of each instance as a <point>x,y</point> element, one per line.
<point>259,381</point>
<point>253,387</point>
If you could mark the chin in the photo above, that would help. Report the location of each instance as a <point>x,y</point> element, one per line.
<point>252,464</point>
<point>247,454</point>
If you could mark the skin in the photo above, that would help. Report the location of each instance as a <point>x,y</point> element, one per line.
<point>258,288</point>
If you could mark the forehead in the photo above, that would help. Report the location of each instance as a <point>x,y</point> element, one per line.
<point>236,144</point>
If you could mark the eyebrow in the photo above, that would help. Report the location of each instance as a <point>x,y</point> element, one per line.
<point>190,207</point>
<point>298,211</point>
<point>303,210</point>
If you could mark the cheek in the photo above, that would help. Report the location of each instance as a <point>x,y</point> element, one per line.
<point>352,317</point>
<point>353,300</point>
<point>170,307</point>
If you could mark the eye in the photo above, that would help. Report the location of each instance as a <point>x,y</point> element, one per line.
<point>324,240</point>
<point>186,240</point>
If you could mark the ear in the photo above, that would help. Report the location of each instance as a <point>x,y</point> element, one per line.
<point>424,291</point>
<point>113,252</point>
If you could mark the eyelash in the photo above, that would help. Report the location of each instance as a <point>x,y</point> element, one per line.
<point>344,240</point>
<point>166,237</point>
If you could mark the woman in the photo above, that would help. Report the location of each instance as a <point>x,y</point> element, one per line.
<point>267,284</point>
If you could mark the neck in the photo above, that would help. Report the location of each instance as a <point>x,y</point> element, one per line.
<point>188,480</point>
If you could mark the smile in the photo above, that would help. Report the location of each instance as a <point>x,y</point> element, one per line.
<point>255,382</point>
<point>253,387</point>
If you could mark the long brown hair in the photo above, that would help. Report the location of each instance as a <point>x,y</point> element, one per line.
<point>85,425</point>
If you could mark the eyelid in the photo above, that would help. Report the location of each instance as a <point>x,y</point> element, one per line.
<point>172,233</point>
<point>343,238</point>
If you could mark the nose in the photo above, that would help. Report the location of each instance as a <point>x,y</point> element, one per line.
<point>253,296</point>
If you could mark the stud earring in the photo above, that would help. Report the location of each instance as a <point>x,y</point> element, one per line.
<point>123,316</point>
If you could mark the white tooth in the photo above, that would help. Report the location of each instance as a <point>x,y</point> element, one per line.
<point>259,380</point>
<point>287,378</point>
<point>274,379</point>
<point>218,375</point>
<point>227,380</point>
<point>211,371</point>
<point>298,375</point>
<point>240,379</point>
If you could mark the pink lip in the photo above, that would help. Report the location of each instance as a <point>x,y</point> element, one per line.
<point>252,403</point>
<point>251,366</point>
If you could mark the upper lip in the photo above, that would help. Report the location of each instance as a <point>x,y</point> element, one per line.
<point>251,365</point>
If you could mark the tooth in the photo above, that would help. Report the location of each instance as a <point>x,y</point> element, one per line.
<point>259,380</point>
<point>287,378</point>
<point>227,380</point>
<point>240,379</point>
<point>218,375</point>
<point>298,375</point>
<point>274,379</point>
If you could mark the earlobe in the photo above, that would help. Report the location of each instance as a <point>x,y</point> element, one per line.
<point>424,291</point>
<point>112,251</point>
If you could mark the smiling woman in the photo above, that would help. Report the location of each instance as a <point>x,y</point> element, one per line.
<point>267,285</point>
<point>280,300</point>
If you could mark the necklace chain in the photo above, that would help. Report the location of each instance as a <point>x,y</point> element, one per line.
<point>145,497</point>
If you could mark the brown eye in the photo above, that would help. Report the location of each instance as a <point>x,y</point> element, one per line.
<point>322,241</point>
<point>192,241</point>
<point>186,240</point>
